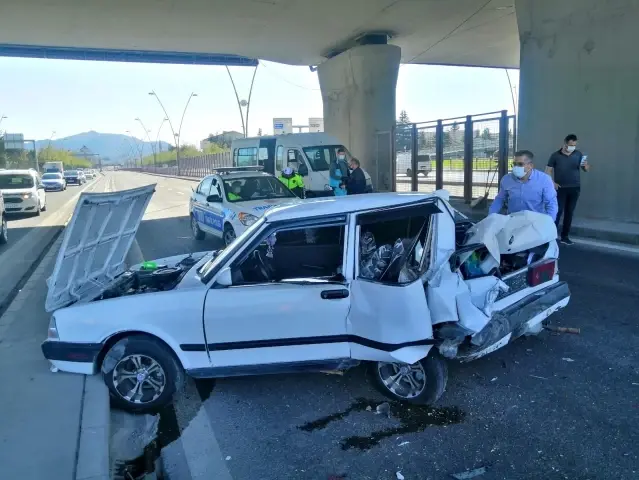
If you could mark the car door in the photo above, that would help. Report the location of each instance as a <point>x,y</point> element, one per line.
<point>390,319</point>
<point>206,213</point>
<point>42,196</point>
<point>290,324</point>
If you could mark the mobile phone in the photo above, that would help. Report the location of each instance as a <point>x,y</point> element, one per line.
<point>584,158</point>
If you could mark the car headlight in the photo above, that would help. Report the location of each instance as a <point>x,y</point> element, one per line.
<point>52,333</point>
<point>26,196</point>
<point>247,219</point>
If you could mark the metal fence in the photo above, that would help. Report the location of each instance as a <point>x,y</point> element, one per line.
<point>195,167</point>
<point>465,155</point>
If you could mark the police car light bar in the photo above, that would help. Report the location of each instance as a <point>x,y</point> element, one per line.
<point>223,170</point>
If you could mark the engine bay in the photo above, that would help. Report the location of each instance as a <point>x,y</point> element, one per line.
<point>148,278</point>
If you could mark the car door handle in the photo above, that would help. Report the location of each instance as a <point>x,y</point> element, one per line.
<point>334,294</point>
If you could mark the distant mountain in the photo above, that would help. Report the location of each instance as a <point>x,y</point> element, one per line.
<point>112,147</point>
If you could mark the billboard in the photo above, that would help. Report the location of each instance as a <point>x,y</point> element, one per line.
<point>315,124</point>
<point>282,126</point>
<point>13,141</point>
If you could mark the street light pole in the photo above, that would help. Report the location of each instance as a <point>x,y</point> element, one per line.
<point>243,103</point>
<point>157,137</point>
<point>146,131</point>
<point>137,148</point>
<point>175,135</point>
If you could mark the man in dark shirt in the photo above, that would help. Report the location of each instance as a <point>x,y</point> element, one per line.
<point>356,182</point>
<point>565,166</point>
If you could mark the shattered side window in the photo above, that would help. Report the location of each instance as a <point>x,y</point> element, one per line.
<point>394,250</point>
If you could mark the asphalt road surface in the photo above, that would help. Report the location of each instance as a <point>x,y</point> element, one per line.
<point>556,406</point>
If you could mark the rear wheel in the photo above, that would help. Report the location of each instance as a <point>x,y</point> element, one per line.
<point>145,376</point>
<point>195,229</point>
<point>38,209</point>
<point>4,231</point>
<point>423,382</point>
<point>229,234</point>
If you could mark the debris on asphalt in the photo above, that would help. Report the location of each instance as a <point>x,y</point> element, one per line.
<point>368,409</point>
<point>469,474</point>
<point>403,443</point>
<point>399,476</point>
<point>567,359</point>
<point>228,458</point>
<point>552,328</point>
<point>494,379</point>
<point>383,409</point>
<point>537,376</point>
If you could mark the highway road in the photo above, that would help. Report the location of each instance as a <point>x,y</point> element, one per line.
<point>553,406</point>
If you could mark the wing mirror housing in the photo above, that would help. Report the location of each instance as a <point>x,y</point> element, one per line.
<point>214,199</point>
<point>302,170</point>
<point>224,277</point>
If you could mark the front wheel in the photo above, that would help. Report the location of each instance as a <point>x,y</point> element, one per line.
<point>195,229</point>
<point>145,376</point>
<point>423,382</point>
<point>229,234</point>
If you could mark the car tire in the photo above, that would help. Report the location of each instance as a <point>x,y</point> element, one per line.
<point>409,172</point>
<point>198,234</point>
<point>4,231</point>
<point>229,235</point>
<point>430,388</point>
<point>38,209</point>
<point>44,207</point>
<point>158,386</point>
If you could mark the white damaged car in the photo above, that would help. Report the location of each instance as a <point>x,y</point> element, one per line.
<point>397,281</point>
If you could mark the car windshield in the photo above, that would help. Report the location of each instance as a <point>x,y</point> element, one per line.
<point>255,188</point>
<point>15,181</point>
<point>321,156</point>
<point>51,176</point>
<point>219,258</point>
<point>71,173</point>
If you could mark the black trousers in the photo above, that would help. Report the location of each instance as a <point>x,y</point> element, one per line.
<point>567,200</point>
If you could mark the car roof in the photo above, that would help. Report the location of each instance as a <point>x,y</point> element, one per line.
<point>18,171</point>
<point>327,206</point>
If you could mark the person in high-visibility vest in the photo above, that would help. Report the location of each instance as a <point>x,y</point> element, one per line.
<point>293,181</point>
<point>234,193</point>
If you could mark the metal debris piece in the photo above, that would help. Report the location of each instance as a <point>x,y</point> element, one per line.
<point>368,408</point>
<point>228,458</point>
<point>537,376</point>
<point>469,474</point>
<point>494,379</point>
<point>552,328</point>
<point>567,359</point>
<point>399,476</point>
<point>383,409</point>
<point>403,443</point>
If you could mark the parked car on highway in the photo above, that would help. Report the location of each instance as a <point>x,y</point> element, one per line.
<point>74,177</point>
<point>225,203</point>
<point>23,191</point>
<point>89,174</point>
<point>54,182</point>
<point>395,281</point>
<point>4,229</point>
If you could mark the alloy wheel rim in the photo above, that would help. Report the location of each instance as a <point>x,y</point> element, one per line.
<point>139,379</point>
<point>403,380</point>
<point>194,227</point>
<point>229,236</point>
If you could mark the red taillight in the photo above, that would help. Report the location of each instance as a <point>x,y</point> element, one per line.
<point>541,273</point>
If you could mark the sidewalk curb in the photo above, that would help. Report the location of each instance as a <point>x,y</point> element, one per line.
<point>93,442</point>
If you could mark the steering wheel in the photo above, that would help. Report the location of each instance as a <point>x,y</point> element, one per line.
<point>260,265</point>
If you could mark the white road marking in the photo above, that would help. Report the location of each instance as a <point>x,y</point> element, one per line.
<point>181,193</point>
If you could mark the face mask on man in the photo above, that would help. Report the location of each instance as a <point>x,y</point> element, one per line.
<point>519,171</point>
<point>341,157</point>
<point>570,148</point>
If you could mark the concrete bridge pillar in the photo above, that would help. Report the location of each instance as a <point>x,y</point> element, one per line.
<point>580,74</point>
<point>358,92</point>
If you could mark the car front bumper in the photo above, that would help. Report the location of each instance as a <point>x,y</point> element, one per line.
<point>71,356</point>
<point>75,181</point>
<point>53,187</point>
<point>23,205</point>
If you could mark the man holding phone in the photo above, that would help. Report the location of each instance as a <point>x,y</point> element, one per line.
<point>565,167</point>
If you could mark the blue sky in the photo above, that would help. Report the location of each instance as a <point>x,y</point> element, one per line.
<point>68,97</point>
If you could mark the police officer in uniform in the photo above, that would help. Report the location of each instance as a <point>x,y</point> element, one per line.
<point>293,181</point>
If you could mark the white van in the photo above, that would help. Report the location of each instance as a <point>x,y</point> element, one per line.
<point>313,153</point>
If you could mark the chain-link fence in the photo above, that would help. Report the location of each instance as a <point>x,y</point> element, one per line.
<point>466,155</point>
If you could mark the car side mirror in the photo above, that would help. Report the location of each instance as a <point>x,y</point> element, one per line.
<point>224,278</point>
<point>303,170</point>
<point>214,199</point>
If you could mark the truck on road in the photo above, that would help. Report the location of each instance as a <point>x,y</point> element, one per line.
<point>53,167</point>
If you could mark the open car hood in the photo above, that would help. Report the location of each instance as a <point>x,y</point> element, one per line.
<point>95,244</point>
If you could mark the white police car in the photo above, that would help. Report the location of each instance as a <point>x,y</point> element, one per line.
<point>228,201</point>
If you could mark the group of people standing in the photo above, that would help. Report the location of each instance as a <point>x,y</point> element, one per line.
<point>554,192</point>
<point>345,178</point>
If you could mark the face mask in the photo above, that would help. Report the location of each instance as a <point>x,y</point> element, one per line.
<point>570,148</point>
<point>519,172</point>
<point>341,157</point>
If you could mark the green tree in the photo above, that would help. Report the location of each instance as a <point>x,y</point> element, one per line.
<point>403,118</point>
<point>486,135</point>
<point>259,132</point>
<point>404,134</point>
